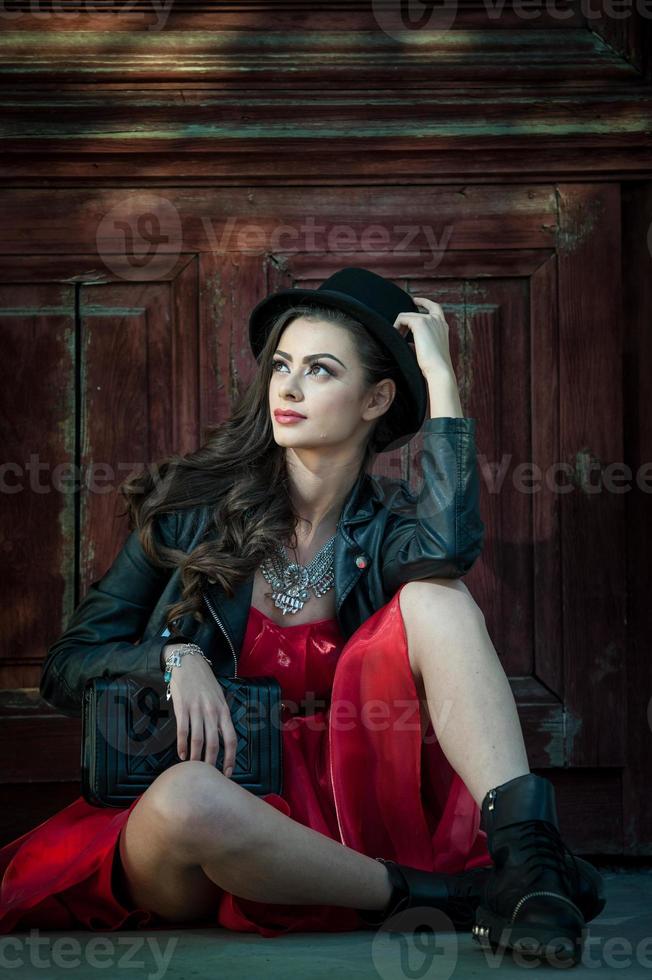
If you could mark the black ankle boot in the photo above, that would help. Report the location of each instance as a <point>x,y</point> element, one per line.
<point>531,902</point>
<point>457,895</point>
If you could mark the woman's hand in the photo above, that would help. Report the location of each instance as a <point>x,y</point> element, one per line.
<point>430,333</point>
<point>199,703</point>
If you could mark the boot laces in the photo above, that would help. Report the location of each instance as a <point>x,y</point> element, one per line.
<point>547,850</point>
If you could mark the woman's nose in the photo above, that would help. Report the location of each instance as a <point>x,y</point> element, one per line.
<point>289,387</point>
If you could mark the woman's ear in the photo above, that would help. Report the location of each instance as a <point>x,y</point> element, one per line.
<point>383,395</point>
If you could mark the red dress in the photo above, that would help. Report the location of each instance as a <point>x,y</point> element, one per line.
<point>356,770</point>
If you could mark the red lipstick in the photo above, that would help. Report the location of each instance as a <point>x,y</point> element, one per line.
<point>287,415</point>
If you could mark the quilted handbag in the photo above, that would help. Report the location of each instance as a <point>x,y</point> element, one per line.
<point>129,736</point>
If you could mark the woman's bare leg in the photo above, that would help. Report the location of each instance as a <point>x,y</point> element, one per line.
<point>195,832</point>
<point>457,669</point>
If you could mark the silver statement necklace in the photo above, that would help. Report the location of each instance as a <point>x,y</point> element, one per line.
<point>290,581</point>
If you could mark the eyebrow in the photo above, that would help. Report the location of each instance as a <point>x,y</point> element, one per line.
<point>310,357</point>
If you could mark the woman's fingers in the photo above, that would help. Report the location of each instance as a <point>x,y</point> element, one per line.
<point>211,728</point>
<point>182,732</point>
<point>217,718</point>
<point>196,733</point>
<point>201,716</point>
<point>204,724</point>
<point>230,742</point>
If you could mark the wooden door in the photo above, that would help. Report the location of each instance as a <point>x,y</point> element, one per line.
<point>125,356</point>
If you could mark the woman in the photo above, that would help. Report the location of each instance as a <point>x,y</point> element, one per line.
<point>375,614</point>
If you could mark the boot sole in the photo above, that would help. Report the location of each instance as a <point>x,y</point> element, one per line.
<point>496,932</point>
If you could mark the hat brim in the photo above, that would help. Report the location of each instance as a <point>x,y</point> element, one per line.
<point>384,332</point>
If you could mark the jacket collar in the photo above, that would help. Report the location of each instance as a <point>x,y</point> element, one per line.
<point>359,505</point>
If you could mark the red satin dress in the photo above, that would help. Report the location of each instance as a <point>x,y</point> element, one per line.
<point>356,770</point>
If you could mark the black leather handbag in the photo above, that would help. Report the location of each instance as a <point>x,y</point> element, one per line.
<point>129,736</point>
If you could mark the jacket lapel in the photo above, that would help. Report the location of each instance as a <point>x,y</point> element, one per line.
<point>232,611</point>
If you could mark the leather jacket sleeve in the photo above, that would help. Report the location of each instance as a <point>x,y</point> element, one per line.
<point>101,639</point>
<point>439,532</point>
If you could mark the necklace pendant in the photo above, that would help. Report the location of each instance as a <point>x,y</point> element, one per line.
<point>292,581</point>
<point>289,603</point>
<point>296,578</point>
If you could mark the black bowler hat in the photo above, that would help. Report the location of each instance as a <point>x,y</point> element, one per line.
<point>376,302</point>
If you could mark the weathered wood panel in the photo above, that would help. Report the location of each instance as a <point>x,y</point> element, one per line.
<point>364,59</point>
<point>301,91</point>
<point>637,439</point>
<point>591,445</point>
<point>308,224</point>
<point>37,435</point>
<point>77,355</point>
<point>139,368</point>
<point>477,165</point>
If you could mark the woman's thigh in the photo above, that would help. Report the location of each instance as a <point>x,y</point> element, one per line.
<point>425,604</point>
<point>156,864</point>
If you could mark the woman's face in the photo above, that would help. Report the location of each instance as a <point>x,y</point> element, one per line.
<point>327,388</point>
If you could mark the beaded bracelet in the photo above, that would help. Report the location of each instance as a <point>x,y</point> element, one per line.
<point>174,660</point>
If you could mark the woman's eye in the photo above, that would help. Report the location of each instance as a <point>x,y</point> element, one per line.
<point>313,365</point>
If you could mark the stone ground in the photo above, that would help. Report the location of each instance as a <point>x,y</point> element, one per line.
<point>618,944</point>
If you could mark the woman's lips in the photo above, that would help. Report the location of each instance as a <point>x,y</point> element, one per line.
<point>287,419</point>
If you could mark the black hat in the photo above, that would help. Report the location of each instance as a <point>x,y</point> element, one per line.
<point>376,302</point>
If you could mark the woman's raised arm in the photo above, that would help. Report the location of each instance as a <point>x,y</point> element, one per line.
<point>440,531</point>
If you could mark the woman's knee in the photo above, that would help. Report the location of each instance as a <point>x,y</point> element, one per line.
<point>190,798</point>
<point>157,862</point>
<point>426,598</point>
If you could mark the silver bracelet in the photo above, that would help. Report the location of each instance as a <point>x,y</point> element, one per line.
<point>174,660</point>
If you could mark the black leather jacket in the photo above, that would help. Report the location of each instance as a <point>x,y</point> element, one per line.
<point>388,535</point>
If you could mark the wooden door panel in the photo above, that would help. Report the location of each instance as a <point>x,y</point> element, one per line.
<point>139,373</point>
<point>591,441</point>
<point>528,279</point>
<point>102,379</point>
<point>37,391</point>
<point>231,283</point>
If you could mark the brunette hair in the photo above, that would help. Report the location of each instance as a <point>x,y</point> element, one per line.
<point>240,474</point>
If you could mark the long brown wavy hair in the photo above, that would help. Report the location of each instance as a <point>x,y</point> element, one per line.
<point>240,474</point>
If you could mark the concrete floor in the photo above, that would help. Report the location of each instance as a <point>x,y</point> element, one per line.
<point>618,944</point>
